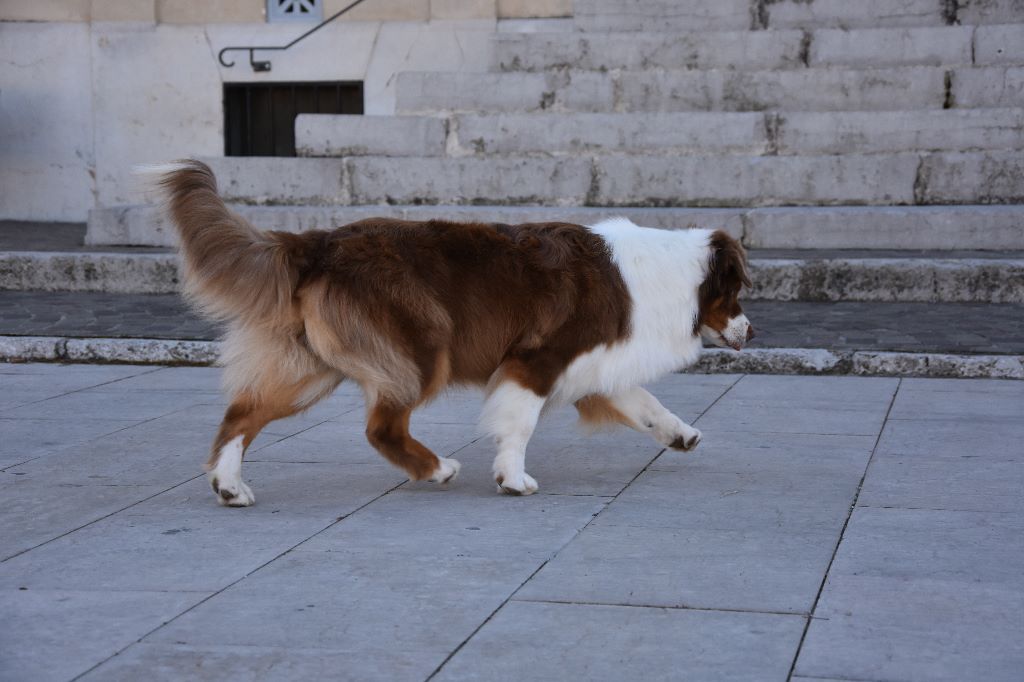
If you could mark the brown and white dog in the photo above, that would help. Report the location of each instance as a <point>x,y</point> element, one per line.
<point>541,314</point>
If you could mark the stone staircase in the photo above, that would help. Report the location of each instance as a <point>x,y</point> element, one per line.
<point>863,151</point>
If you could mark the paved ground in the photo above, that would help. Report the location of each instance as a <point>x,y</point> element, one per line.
<point>827,528</point>
<point>913,327</point>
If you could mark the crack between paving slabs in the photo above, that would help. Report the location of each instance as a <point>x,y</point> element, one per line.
<point>90,440</point>
<point>659,606</point>
<point>258,568</point>
<point>235,582</point>
<point>607,502</point>
<point>842,532</point>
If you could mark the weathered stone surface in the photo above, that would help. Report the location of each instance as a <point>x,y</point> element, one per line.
<point>660,133</point>
<point>145,351</point>
<point>112,224</point>
<point>1002,44</point>
<point>779,360</point>
<point>470,180</point>
<point>858,132</point>
<point>144,273</point>
<point>280,180</point>
<point>31,348</point>
<point>840,227</point>
<point>517,9</point>
<point>873,48</point>
<point>874,363</point>
<point>713,360</point>
<point>428,92</point>
<point>843,14</point>
<point>47,104</point>
<point>988,86</point>
<point>990,12</point>
<point>886,227</point>
<point>819,89</point>
<point>983,177</point>
<point>746,50</point>
<point>661,15</point>
<point>702,50</point>
<point>766,180</point>
<point>888,279</point>
<point>352,135</point>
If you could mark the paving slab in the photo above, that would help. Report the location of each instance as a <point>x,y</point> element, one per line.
<point>59,634</point>
<point>918,403</point>
<point>753,570</point>
<point>921,595</point>
<point>839,405</point>
<point>136,549</point>
<point>135,406</point>
<point>32,514</point>
<point>461,521</point>
<point>574,641</point>
<point>627,563</point>
<point>400,583</point>
<point>950,437</point>
<point>25,439</point>
<point>984,475</point>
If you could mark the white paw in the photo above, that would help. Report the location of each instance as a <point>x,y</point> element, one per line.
<point>447,470</point>
<point>522,484</point>
<point>231,492</point>
<point>686,439</point>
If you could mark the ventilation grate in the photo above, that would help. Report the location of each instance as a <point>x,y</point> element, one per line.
<point>295,10</point>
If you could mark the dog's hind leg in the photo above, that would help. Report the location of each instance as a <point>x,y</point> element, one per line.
<point>638,409</point>
<point>250,410</point>
<point>510,415</point>
<point>387,429</point>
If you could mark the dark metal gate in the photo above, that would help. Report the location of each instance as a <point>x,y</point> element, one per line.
<point>259,118</point>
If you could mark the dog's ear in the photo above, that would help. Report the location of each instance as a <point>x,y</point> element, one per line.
<point>727,270</point>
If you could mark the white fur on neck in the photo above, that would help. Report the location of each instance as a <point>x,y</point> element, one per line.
<point>663,270</point>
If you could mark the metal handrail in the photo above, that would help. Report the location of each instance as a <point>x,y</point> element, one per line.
<point>265,64</point>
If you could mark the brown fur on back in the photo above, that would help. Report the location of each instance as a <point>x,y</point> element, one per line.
<point>404,308</point>
<point>460,300</point>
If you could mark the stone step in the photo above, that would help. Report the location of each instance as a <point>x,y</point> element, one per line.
<point>943,228</point>
<point>716,15</point>
<point>808,89</point>
<point>788,276</point>
<point>862,338</point>
<point>791,133</point>
<point>762,50</point>
<point>992,177</point>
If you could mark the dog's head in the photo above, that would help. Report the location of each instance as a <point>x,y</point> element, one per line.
<point>720,318</point>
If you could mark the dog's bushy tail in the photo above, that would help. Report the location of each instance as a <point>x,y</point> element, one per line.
<point>232,271</point>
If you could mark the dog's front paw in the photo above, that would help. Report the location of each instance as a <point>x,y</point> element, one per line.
<point>447,470</point>
<point>686,441</point>
<point>523,484</point>
<point>231,493</point>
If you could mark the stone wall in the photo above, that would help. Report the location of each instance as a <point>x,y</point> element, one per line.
<point>92,88</point>
<point>244,11</point>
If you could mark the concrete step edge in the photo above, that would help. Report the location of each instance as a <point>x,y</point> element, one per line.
<point>963,226</point>
<point>815,361</point>
<point>549,134</point>
<point>945,280</point>
<point>778,48</point>
<point>706,180</point>
<point>818,88</point>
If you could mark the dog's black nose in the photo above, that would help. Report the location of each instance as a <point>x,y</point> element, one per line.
<point>750,332</point>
